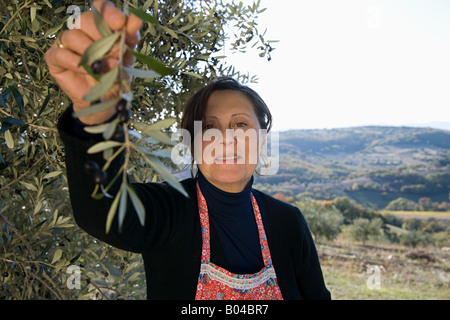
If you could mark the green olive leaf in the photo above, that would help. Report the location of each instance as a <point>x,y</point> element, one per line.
<point>177,16</point>
<point>95,108</point>
<point>110,129</point>
<point>9,139</point>
<point>122,207</point>
<point>18,97</point>
<point>138,206</point>
<point>159,168</point>
<point>154,130</point>
<point>98,147</point>
<point>96,129</point>
<point>112,211</point>
<point>166,175</point>
<point>152,63</point>
<point>161,137</point>
<point>100,23</point>
<point>98,49</point>
<point>52,174</point>
<point>147,4</point>
<point>143,74</point>
<point>193,74</point>
<point>143,15</point>
<point>93,75</point>
<point>29,186</point>
<point>161,153</point>
<point>159,125</point>
<point>57,256</point>
<point>54,29</point>
<point>171,32</point>
<point>106,82</point>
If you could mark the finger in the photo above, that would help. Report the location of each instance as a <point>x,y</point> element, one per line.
<point>112,15</point>
<point>75,40</point>
<point>128,59</point>
<point>88,26</point>
<point>110,63</point>
<point>59,60</point>
<point>132,38</point>
<point>133,26</point>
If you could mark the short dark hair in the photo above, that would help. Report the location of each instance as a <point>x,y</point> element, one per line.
<point>195,107</point>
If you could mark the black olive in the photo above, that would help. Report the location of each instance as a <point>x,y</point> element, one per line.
<point>121,105</point>
<point>118,134</point>
<point>100,177</point>
<point>124,116</point>
<point>97,66</point>
<point>91,167</point>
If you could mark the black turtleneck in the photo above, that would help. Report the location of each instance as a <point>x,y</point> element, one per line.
<point>233,225</point>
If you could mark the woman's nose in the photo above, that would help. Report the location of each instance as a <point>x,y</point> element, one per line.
<point>228,136</point>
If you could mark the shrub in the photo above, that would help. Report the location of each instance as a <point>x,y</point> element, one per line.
<point>414,238</point>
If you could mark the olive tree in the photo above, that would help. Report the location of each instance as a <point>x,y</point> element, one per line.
<point>43,254</point>
<point>325,221</point>
<point>363,229</point>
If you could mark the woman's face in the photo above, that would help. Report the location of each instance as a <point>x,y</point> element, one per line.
<point>229,157</point>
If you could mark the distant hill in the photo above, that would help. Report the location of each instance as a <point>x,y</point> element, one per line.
<point>372,165</point>
<point>442,125</point>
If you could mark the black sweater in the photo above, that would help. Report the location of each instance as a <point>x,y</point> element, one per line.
<point>232,218</point>
<point>171,242</point>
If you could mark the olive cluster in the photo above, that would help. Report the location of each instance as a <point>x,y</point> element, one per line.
<point>123,113</point>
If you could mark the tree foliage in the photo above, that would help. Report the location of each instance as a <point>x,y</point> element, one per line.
<point>351,210</point>
<point>324,220</point>
<point>39,238</point>
<point>362,229</point>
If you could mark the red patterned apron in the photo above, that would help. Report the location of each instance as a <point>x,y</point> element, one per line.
<point>216,283</point>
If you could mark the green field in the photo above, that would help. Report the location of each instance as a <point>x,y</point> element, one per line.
<point>444,215</point>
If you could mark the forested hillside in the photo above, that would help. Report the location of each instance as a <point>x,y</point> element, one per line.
<point>378,167</point>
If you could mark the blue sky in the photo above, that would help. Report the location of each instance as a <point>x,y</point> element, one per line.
<point>342,63</point>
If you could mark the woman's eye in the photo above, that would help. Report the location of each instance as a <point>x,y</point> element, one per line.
<point>241,125</point>
<point>208,126</point>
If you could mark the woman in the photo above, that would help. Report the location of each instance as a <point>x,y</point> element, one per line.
<point>227,240</point>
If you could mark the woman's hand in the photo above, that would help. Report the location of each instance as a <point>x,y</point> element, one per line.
<point>62,59</point>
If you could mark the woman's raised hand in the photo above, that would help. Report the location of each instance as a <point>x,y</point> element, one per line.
<point>64,56</point>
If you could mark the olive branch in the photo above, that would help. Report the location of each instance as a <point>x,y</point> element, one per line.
<point>116,134</point>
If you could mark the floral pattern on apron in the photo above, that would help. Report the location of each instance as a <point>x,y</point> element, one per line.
<point>216,283</point>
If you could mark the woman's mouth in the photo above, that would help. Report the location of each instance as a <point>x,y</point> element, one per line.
<point>227,158</point>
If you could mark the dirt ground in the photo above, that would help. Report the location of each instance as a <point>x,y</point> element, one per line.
<point>385,271</point>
